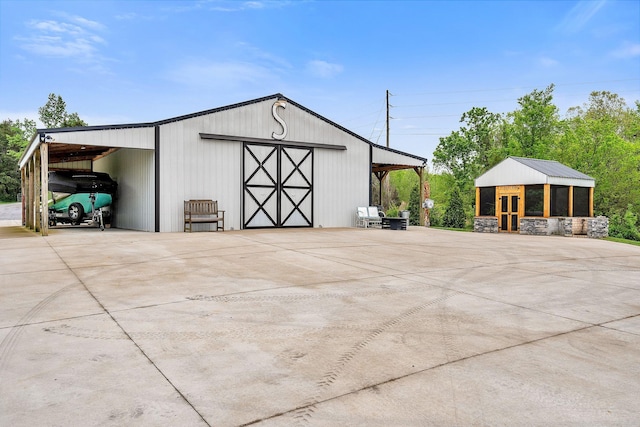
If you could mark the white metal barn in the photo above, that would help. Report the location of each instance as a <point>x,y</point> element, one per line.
<point>269,162</point>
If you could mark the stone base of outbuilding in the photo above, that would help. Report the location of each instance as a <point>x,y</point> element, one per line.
<point>596,228</point>
<point>485,224</point>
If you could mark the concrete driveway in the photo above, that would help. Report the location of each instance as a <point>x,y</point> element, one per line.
<point>324,327</point>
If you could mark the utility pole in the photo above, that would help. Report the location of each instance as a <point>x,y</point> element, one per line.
<point>385,183</point>
<point>387,118</point>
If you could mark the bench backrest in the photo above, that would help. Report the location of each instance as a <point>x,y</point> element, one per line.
<point>201,207</point>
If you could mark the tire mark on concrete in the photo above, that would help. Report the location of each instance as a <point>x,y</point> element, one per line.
<point>8,344</point>
<point>449,330</point>
<point>96,334</point>
<point>305,412</point>
<point>235,333</point>
<point>135,344</point>
<point>300,297</point>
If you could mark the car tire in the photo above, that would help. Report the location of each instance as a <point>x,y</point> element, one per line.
<point>76,213</point>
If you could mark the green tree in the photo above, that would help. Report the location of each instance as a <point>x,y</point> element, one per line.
<point>73,120</point>
<point>14,137</point>
<point>415,206</point>
<point>601,139</point>
<point>474,148</point>
<point>455,216</point>
<point>54,114</point>
<point>535,125</point>
<point>404,182</point>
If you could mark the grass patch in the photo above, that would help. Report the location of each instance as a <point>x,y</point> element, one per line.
<point>451,229</point>
<point>619,240</point>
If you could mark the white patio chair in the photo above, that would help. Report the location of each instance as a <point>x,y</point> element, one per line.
<point>362,216</point>
<point>374,218</point>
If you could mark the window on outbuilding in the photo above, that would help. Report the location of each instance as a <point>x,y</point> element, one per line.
<point>534,200</point>
<point>559,200</point>
<point>581,201</point>
<point>487,201</point>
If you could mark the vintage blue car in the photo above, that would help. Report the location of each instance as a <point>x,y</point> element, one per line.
<point>76,196</point>
<point>75,208</point>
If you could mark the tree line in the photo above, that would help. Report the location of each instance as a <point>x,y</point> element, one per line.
<point>16,134</point>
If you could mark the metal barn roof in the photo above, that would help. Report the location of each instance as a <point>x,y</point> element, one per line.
<point>526,171</point>
<point>551,168</point>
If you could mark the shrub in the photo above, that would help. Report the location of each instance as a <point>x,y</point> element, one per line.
<point>415,206</point>
<point>435,216</point>
<point>454,216</point>
<point>625,227</point>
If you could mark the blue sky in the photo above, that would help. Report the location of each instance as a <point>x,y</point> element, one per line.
<point>136,61</point>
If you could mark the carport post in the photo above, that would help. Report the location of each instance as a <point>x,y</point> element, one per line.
<point>29,196</point>
<point>23,193</point>
<point>44,187</point>
<point>35,160</point>
<point>420,172</point>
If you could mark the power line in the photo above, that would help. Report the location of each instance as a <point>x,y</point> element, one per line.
<point>517,88</point>
<point>419,134</point>
<point>488,101</point>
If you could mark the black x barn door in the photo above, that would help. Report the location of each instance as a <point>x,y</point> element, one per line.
<point>277,186</point>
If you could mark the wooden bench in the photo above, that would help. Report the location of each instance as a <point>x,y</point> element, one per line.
<point>202,212</point>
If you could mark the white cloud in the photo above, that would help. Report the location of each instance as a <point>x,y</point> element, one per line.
<point>257,54</point>
<point>627,50</point>
<point>86,23</point>
<point>323,69</point>
<point>580,15</point>
<point>229,5</point>
<point>70,37</point>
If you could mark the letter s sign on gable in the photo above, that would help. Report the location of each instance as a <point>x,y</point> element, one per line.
<point>274,110</point>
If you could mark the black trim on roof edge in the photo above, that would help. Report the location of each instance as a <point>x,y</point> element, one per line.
<point>229,107</point>
<point>99,127</point>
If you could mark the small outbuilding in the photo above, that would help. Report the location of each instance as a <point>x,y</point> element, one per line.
<point>268,162</point>
<point>532,196</point>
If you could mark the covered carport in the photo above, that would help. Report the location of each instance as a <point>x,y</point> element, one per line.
<point>89,148</point>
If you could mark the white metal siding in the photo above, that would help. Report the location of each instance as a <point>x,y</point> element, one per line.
<point>133,170</point>
<point>341,181</point>
<point>191,167</point>
<point>194,168</point>
<point>126,138</point>
<point>510,172</point>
